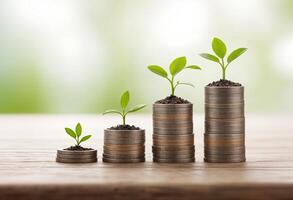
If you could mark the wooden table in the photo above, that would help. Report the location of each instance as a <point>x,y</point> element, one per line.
<point>28,169</point>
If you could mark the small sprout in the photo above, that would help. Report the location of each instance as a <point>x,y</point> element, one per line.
<point>220,50</point>
<point>176,66</point>
<point>124,103</point>
<point>76,134</point>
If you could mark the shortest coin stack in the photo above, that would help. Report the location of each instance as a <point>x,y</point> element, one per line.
<point>226,148</point>
<point>67,156</point>
<point>173,148</point>
<point>124,146</point>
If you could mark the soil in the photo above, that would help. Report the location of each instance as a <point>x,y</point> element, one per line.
<point>172,100</point>
<point>224,83</point>
<point>124,127</point>
<point>77,148</point>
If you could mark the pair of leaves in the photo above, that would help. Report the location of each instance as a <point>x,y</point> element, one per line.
<point>220,50</point>
<point>124,100</point>
<point>176,66</point>
<point>77,133</point>
<point>134,109</point>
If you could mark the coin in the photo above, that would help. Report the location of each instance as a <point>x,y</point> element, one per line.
<point>178,149</point>
<point>224,92</point>
<point>182,123</point>
<point>76,156</point>
<point>70,152</point>
<point>173,137</point>
<point>221,151</point>
<point>173,148</point>
<point>67,156</point>
<point>124,134</point>
<point>226,159</point>
<point>133,147</point>
<point>173,117</point>
<point>123,141</point>
<point>110,160</point>
<point>224,144</point>
<point>226,126</point>
<point>124,152</point>
<point>223,112</point>
<point>69,160</point>
<point>172,143</point>
<point>224,100</point>
<point>123,156</point>
<point>173,131</point>
<point>224,139</point>
<point>167,155</point>
<point>226,122</point>
<point>172,108</point>
<point>161,160</point>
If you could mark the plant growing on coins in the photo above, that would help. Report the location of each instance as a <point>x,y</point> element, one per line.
<point>77,134</point>
<point>176,66</point>
<point>124,100</point>
<point>220,50</point>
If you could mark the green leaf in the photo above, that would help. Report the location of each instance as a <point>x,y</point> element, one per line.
<point>177,65</point>
<point>78,129</point>
<point>193,67</point>
<point>235,54</point>
<point>189,84</point>
<point>158,70</point>
<point>219,47</point>
<point>136,108</point>
<point>124,100</point>
<point>70,132</point>
<point>210,57</point>
<point>112,111</point>
<point>85,138</point>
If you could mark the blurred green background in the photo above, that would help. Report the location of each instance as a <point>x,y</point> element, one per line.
<point>72,56</point>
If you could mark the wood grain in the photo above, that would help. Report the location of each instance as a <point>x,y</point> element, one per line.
<point>28,169</point>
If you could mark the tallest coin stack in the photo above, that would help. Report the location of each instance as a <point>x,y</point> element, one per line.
<point>224,136</point>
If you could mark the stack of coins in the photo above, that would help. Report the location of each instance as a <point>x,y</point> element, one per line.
<point>173,138</point>
<point>67,156</point>
<point>124,146</point>
<point>224,136</point>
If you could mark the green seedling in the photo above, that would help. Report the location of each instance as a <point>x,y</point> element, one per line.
<point>76,134</point>
<point>124,103</point>
<point>176,66</point>
<point>220,50</point>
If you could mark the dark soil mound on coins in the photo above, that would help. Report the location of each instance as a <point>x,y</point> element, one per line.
<point>224,83</point>
<point>124,127</point>
<point>77,148</point>
<point>172,100</point>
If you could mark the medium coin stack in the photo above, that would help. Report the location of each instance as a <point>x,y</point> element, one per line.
<point>67,156</point>
<point>124,146</point>
<point>224,137</point>
<point>173,138</point>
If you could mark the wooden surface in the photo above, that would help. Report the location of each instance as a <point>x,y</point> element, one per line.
<point>28,169</point>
